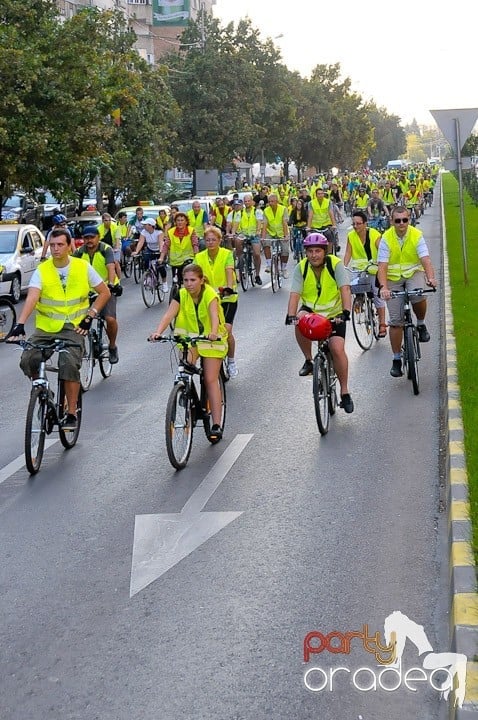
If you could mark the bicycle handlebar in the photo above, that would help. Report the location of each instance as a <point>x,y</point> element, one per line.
<point>183,340</point>
<point>416,291</point>
<point>56,344</point>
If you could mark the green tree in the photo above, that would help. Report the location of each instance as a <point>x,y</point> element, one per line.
<point>389,136</point>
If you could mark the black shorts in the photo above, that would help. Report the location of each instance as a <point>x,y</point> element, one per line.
<point>230,309</point>
<point>338,328</point>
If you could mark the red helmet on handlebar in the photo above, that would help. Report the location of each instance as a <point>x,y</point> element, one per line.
<point>315,327</point>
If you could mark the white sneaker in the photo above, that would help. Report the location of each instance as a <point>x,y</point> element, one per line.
<point>232,369</point>
<point>165,287</point>
<point>285,273</point>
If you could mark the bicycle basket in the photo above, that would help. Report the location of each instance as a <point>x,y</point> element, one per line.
<point>361,283</point>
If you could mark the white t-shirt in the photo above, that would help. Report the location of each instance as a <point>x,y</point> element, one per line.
<point>93,278</point>
<point>383,254</point>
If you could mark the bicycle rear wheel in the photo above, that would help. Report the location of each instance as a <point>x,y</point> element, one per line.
<point>179,426</point>
<point>137,269</point>
<point>87,364</point>
<point>362,322</point>
<point>411,345</point>
<point>275,273</point>
<point>243,274</point>
<point>148,288</point>
<point>128,266</point>
<point>35,430</point>
<point>320,394</point>
<point>332,385</point>
<point>104,356</point>
<point>207,416</point>
<point>68,438</point>
<point>8,318</point>
<point>251,271</point>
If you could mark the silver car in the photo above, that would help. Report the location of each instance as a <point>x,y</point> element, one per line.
<point>21,248</point>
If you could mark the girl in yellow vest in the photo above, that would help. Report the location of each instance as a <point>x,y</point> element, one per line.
<point>198,312</point>
<point>180,243</point>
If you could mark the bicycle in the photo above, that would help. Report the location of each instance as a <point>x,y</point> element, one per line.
<point>126,259</point>
<point>8,318</point>
<point>245,265</point>
<point>96,350</point>
<point>297,243</point>
<point>152,284</point>
<point>276,265</point>
<point>364,314</point>
<point>410,343</point>
<point>324,386</point>
<point>43,413</point>
<point>185,406</point>
<point>138,268</point>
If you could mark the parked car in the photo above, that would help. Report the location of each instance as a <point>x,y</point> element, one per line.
<point>21,248</point>
<point>21,208</point>
<point>76,225</point>
<point>52,205</point>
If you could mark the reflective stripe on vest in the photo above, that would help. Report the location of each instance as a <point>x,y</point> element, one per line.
<point>187,321</point>
<point>321,216</point>
<point>180,250</point>
<point>274,222</point>
<point>248,224</point>
<point>359,260</point>
<point>215,270</point>
<point>71,304</point>
<point>403,260</point>
<point>196,221</point>
<point>329,302</point>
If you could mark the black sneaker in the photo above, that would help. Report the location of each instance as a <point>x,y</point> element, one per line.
<point>113,355</point>
<point>347,403</point>
<point>258,280</point>
<point>215,434</point>
<point>423,334</point>
<point>69,422</point>
<point>396,369</point>
<point>306,368</point>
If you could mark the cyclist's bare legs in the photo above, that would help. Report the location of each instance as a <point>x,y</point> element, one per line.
<point>341,362</point>
<point>396,334</point>
<point>111,330</point>
<point>256,252</point>
<point>72,390</point>
<point>231,342</point>
<point>304,344</point>
<point>211,370</point>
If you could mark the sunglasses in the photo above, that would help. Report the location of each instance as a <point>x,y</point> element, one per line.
<point>397,221</point>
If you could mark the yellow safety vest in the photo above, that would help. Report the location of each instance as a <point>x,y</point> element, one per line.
<point>187,321</point>
<point>274,222</point>
<point>403,260</point>
<point>197,222</point>
<point>102,230</point>
<point>359,260</point>
<point>321,217</point>
<point>361,201</point>
<point>388,197</point>
<point>412,199</point>
<point>329,301</point>
<point>215,270</point>
<point>98,260</point>
<point>248,223</point>
<point>180,250</point>
<point>57,306</point>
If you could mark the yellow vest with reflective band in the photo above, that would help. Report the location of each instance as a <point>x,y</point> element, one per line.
<point>388,197</point>
<point>187,321</point>
<point>98,260</point>
<point>403,260</point>
<point>196,221</point>
<point>412,199</point>
<point>215,270</point>
<point>359,259</point>
<point>361,201</point>
<point>123,229</point>
<point>180,250</point>
<point>248,223</point>
<point>57,306</point>
<point>321,217</point>
<point>102,230</point>
<point>329,302</point>
<point>274,222</point>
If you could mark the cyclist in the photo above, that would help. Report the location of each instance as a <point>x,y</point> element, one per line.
<point>198,312</point>
<point>150,243</point>
<point>413,199</point>
<point>403,262</point>
<point>58,291</point>
<point>59,222</point>
<point>232,221</point>
<point>181,243</point>
<point>362,246</point>
<point>100,256</point>
<point>198,219</point>
<point>123,234</point>
<point>321,284</point>
<point>389,196</point>
<point>217,264</point>
<point>135,225</point>
<point>321,216</point>
<point>377,212</point>
<point>219,213</point>
<point>249,225</point>
<point>275,227</point>
<point>298,222</point>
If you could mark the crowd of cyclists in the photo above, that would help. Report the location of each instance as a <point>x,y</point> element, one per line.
<point>203,251</point>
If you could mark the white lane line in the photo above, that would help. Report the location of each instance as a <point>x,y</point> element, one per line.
<point>18,463</point>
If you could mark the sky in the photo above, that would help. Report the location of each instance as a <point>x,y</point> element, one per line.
<point>408,60</point>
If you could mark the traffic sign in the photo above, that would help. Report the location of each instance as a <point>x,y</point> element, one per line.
<point>446,121</point>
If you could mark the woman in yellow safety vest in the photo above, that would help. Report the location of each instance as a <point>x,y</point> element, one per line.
<point>198,312</point>
<point>180,243</point>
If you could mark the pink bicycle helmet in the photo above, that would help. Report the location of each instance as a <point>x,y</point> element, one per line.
<point>316,239</point>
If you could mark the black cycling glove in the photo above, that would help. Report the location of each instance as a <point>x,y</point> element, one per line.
<point>18,329</point>
<point>290,319</point>
<point>85,324</point>
<point>227,291</point>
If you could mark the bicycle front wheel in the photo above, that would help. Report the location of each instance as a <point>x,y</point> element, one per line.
<point>128,266</point>
<point>411,343</point>
<point>321,395</point>
<point>87,364</point>
<point>148,288</point>
<point>8,318</point>
<point>137,269</point>
<point>35,430</point>
<point>362,322</point>
<point>243,274</point>
<point>68,438</point>
<point>207,415</point>
<point>179,426</point>
<point>275,273</point>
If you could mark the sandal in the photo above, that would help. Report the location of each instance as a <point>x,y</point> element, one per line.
<point>382,330</point>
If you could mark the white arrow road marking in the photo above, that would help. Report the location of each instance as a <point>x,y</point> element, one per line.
<point>161,541</point>
<point>18,463</point>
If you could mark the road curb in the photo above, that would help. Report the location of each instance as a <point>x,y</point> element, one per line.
<point>463,587</point>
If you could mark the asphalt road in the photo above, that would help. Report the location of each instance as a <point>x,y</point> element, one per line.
<point>328,534</point>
